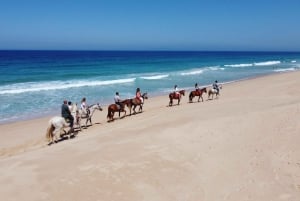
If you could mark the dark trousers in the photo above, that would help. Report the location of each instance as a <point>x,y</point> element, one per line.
<point>120,104</point>
<point>71,119</point>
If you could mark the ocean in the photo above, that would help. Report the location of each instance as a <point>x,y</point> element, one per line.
<point>34,83</point>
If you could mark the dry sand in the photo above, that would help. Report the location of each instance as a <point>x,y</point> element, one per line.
<point>242,146</point>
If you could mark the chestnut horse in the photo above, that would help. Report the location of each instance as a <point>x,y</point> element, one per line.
<point>136,101</point>
<point>173,95</point>
<point>197,92</point>
<point>116,108</point>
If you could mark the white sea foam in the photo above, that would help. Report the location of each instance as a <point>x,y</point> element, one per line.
<point>267,63</point>
<point>55,85</point>
<point>284,69</point>
<point>192,72</point>
<point>155,77</point>
<point>239,65</point>
<point>214,68</point>
<point>294,61</point>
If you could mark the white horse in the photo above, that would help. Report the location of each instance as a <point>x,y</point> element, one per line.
<point>88,115</point>
<point>212,92</point>
<point>56,127</point>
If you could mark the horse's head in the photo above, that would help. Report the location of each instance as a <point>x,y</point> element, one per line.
<point>127,102</point>
<point>182,92</point>
<point>99,107</point>
<point>145,95</point>
<point>204,90</point>
<point>95,107</point>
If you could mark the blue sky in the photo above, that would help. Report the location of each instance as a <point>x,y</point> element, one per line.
<point>150,25</point>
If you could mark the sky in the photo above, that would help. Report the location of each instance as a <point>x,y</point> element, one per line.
<point>204,25</point>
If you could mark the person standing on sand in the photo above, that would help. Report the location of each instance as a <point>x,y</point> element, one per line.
<point>66,113</point>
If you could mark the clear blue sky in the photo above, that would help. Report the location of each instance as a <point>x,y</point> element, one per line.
<point>150,24</point>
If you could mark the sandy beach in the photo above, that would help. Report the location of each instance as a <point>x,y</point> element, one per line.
<point>242,146</point>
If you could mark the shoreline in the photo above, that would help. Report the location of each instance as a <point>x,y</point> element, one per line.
<point>158,94</point>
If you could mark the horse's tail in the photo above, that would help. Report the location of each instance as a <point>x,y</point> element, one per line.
<point>108,113</point>
<point>191,95</point>
<point>49,132</point>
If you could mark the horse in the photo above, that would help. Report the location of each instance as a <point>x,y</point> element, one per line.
<point>212,92</point>
<point>88,116</point>
<point>136,101</point>
<point>116,108</point>
<point>174,95</point>
<point>56,126</point>
<point>197,92</point>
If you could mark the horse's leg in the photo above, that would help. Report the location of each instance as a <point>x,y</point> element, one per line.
<point>178,101</point>
<point>201,98</point>
<point>79,122</point>
<point>87,119</point>
<point>54,134</point>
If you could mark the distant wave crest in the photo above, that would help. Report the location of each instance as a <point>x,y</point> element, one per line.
<point>284,69</point>
<point>239,65</point>
<point>33,87</point>
<point>193,72</point>
<point>155,77</point>
<point>267,63</point>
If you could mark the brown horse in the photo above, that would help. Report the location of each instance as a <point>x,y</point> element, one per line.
<point>136,101</point>
<point>173,95</point>
<point>197,92</point>
<point>116,108</point>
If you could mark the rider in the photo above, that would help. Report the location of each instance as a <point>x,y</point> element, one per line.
<point>66,113</point>
<point>176,91</point>
<point>70,105</point>
<point>84,106</point>
<point>216,86</point>
<point>197,87</point>
<point>118,100</point>
<point>138,95</point>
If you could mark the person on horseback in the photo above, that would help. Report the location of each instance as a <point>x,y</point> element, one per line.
<point>66,113</point>
<point>118,100</point>
<point>138,95</point>
<point>176,91</point>
<point>216,86</point>
<point>197,88</point>
<point>84,106</point>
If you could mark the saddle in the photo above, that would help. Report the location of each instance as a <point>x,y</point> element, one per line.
<point>176,95</point>
<point>119,107</point>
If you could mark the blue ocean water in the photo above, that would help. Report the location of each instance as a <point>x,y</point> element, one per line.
<point>34,83</point>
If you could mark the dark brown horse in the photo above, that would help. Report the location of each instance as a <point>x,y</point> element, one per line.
<point>116,108</point>
<point>173,95</point>
<point>136,101</point>
<point>197,92</point>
